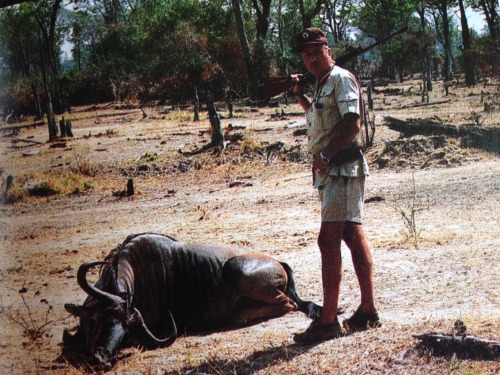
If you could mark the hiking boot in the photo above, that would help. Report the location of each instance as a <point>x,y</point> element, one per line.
<point>361,321</point>
<point>319,331</point>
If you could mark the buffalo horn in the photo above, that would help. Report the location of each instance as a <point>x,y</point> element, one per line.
<point>167,341</point>
<point>92,290</point>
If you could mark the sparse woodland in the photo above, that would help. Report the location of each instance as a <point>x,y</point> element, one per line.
<point>117,139</point>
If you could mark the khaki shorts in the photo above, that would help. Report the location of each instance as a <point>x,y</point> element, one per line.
<point>342,199</point>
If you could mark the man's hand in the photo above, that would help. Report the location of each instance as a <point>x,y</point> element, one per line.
<point>298,87</point>
<point>298,92</point>
<point>319,166</point>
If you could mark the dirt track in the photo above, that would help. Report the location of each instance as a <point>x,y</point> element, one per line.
<point>453,274</point>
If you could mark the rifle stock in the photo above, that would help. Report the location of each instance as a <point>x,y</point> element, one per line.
<point>278,85</point>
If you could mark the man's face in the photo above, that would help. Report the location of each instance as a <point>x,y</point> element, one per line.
<point>317,59</point>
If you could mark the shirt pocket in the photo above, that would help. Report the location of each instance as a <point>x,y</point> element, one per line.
<point>326,105</point>
<point>325,108</point>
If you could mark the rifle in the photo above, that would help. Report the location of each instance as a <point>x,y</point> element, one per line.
<point>276,86</point>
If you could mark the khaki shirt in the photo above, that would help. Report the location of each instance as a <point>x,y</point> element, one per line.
<point>335,97</point>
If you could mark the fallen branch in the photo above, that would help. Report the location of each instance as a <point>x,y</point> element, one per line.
<point>18,140</point>
<point>283,114</point>
<point>463,346</point>
<point>484,138</point>
<point>216,146</point>
<point>424,104</point>
<point>296,124</point>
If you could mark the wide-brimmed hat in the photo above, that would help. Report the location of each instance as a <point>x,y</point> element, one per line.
<point>310,36</point>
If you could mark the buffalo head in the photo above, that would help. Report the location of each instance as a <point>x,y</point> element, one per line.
<point>107,321</point>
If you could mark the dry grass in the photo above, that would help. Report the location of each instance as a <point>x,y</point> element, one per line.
<point>453,273</point>
<point>44,185</point>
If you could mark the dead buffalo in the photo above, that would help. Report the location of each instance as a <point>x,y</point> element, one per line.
<point>152,287</point>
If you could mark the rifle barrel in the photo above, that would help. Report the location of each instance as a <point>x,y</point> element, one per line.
<point>345,58</point>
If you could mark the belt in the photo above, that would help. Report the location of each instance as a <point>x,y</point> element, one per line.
<point>349,154</point>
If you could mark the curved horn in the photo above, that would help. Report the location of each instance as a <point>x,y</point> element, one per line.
<point>92,290</point>
<point>167,341</point>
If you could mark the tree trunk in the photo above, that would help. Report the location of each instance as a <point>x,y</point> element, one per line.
<point>470,78</point>
<point>196,100</point>
<point>370,96</point>
<point>308,17</point>
<point>38,107</point>
<point>51,121</point>
<point>229,103</point>
<point>217,135</point>
<point>491,15</point>
<point>337,24</point>
<point>281,41</point>
<point>245,46</point>
<point>429,75</point>
<point>48,33</point>
<point>447,43</point>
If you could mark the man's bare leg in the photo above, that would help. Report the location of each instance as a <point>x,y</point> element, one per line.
<point>328,327</point>
<point>355,240</point>
<point>329,242</point>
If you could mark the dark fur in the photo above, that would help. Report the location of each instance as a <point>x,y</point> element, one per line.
<point>156,274</point>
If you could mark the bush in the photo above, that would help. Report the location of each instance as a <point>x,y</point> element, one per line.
<point>32,185</point>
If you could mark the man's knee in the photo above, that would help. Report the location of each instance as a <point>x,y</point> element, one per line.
<point>350,233</point>
<point>330,235</point>
<point>324,241</point>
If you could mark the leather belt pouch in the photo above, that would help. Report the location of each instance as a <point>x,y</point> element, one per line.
<point>348,155</point>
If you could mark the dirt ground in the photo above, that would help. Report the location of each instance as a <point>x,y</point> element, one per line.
<point>261,197</point>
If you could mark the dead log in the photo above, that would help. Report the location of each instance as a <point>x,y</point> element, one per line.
<point>286,114</point>
<point>127,192</point>
<point>463,346</point>
<point>21,140</point>
<point>472,135</point>
<point>299,132</point>
<point>296,124</point>
<point>424,104</point>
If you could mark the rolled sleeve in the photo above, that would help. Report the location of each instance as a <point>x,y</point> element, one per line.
<point>347,93</point>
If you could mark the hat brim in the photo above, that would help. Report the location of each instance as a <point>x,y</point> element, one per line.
<point>302,46</point>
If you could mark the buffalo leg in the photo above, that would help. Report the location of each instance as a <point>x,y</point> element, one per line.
<point>263,282</point>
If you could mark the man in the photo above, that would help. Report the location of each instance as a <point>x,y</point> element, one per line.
<point>339,170</point>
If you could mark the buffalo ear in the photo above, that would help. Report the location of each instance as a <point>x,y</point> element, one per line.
<point>79,311</point>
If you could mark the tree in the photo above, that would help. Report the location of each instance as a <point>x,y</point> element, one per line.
<point>442,25</point>
<point>470,78</point>
<point>38,48</point>
<point>245,46</point>
<point>8,3</point>
<point>425,46</point>
<point>19,48</point>
<point>309,11</point>
<point>491,12</point>
<point>46,18</point>
<point>338,16</point>
<point>378,18</point>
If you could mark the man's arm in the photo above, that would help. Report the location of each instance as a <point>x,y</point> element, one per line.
<point>303,101</point>
<point>345,135</point>
<point>298,92</point>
